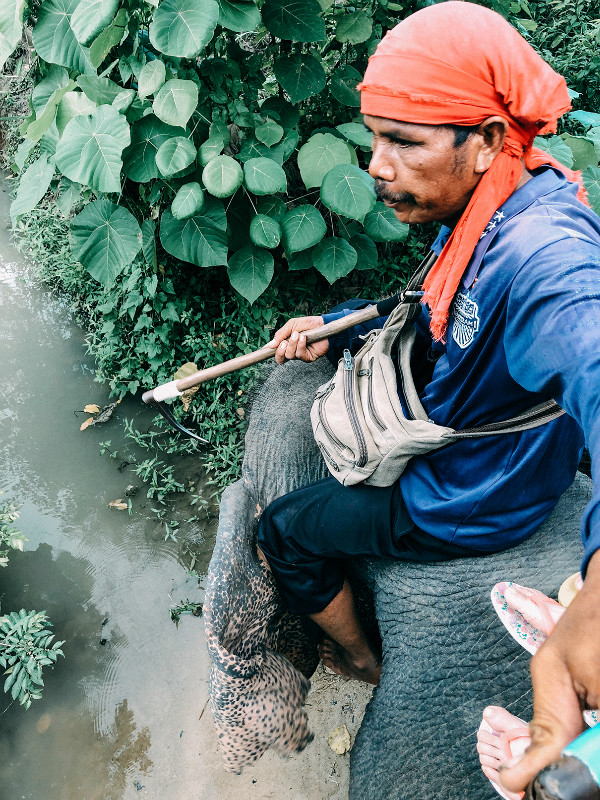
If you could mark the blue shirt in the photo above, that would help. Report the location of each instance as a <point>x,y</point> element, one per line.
<point>524,327</point>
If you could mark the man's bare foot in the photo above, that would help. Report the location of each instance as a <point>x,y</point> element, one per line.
<point>500,738</point>
<point>339,660</point>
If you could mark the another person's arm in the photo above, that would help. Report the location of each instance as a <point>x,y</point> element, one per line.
<point>552,344</point>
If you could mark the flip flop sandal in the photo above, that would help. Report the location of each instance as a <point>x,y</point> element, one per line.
<point>506,741</point>
<point>512,612</point>
<point>512,615</point>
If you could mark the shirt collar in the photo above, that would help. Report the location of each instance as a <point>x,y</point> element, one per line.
<point>545,180</point>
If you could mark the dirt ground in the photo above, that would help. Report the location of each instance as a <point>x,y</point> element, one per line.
<point>315,774</point>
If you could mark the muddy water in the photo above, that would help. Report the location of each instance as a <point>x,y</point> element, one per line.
<point>118,719</point>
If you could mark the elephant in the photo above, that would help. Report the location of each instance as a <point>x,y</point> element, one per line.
<point>445,654</point>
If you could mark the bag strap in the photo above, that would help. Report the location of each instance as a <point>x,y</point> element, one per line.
<point>412,292</point>
<point>538,415</point>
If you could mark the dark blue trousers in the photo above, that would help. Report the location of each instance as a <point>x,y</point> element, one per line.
<point>308,534</point>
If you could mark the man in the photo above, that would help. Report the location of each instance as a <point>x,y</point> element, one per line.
<point>511,316</point>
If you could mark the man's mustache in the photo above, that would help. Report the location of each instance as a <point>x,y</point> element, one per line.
<point>383,193</point>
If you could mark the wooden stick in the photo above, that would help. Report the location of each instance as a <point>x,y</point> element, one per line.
<point>173,389</point>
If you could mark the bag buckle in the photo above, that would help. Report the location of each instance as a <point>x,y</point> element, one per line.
<point>347,360</point>
<point>411,296</point>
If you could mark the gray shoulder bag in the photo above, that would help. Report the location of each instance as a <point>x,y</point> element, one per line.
<point>357,417</point>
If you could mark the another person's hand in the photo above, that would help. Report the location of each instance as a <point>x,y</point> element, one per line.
<point>566,679</point>
<point>289,342</point>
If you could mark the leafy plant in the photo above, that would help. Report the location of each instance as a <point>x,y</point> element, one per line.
<point>10,537</point>
<point>25,649</point>
<point>187,113</point>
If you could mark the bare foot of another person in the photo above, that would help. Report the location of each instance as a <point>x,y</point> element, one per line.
<point>500,738</point>
<point>339,660</point>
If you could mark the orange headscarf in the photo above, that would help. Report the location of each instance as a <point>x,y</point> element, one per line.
<point>458,63</point>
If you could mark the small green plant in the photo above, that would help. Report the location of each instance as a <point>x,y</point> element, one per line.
<point>10,537</point>
<point>185,607</point>
<point>25,649</point>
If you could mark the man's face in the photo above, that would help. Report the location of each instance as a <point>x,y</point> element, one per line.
<point>419,172</point>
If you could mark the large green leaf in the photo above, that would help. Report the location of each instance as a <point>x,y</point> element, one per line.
<point>11,27</point>
<point>357,134</point>
<point>174,155</point>
<point>355,27</point>
<point>152,77</point>
<point>183,28</point>
<point>108,38</point>
<point>149,242</point>
<point>286,114</point>
<point>238,16</point>
<point>90,149</point>
<point>124,100</point>
<point>250,271</point>
<point>222,176</point>
<point>301,260</point>
<point>99,90</point>
<point>211,148</point>
<point>196,240</point>
<point>302,227</point>
<point>68,194</point>
<point>271,206</point>
<point>555,146</point>
<point>33,185</point>
<point>334,258</point>
<point>214,210</point>
<point>176,101</point>
<point>264,176</point>
<point>591,179</point>
<point>54,40</point>
<point>593,135</point>
<point>269,133</point>
<point>589,119</point>
<point>343,83</point>
<point>265,231</point>
<point>90,17</point>
<point>147,136</point>
<point>366,250</point>
<point>320,153</point>
<point>37,128</point>
<point>584,152</point>
<point>73,104</point>
<point>301,75</point>
<point>188,201</point>
<point>298,20</point>
<point>56,78</point>
<point>382,225</point>
<point>105,238</point>
<point>348,191</point>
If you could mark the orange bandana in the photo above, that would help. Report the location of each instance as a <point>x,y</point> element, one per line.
<point>457,63</point>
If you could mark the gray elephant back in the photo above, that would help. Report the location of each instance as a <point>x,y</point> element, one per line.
<point>445,653</point>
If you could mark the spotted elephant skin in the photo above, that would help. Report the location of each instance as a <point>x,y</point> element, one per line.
<point>445,653</point>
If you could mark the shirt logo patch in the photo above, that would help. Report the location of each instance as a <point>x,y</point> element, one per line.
<point>466,320</point>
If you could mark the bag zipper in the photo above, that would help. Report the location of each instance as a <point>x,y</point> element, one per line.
<point>350,405</point>
<point>404,399</point>
<point>372,410</point>
<point>328,457</point>
<point>323,419</point>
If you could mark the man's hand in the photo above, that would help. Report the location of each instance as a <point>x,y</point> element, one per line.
<point>290,342</point>
<point>566,679</point>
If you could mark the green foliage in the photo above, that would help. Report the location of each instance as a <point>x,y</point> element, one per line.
<point>25,640</point>
<point>10,537</point>
<point>26,647</point>
<point>145,109</point>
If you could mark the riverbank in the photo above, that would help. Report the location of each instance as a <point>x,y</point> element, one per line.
<point>125,714</point>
